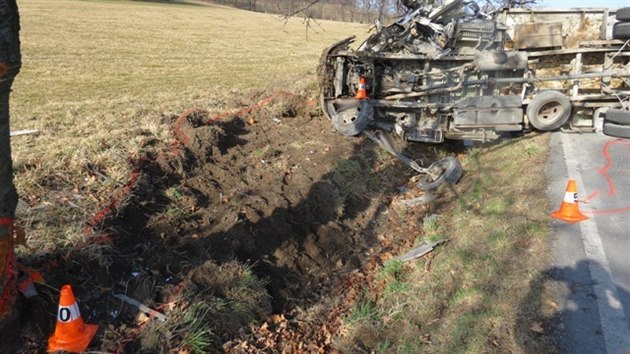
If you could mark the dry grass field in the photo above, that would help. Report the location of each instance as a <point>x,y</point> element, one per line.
<point>98,75</point>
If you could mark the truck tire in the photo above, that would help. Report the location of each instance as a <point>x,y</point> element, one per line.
<point>617,130</point>
<point>351,119</point>
<point>621,30</point>
<point>549,110</point>
<point>450,172</point>
<point>623,14</point>
<point>618,116</point>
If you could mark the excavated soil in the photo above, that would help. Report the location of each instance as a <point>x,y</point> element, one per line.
<point>272,195</point>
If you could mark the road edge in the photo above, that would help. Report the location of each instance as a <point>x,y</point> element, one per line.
<point>613,323</point>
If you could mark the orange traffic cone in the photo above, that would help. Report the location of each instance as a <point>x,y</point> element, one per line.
<point>361,92</point>
<point>71,334</point>
<point>569,209</point>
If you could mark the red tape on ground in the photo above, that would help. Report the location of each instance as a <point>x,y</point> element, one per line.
<point>605,172</point>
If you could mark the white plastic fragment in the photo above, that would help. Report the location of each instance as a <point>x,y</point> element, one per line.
<point>147,310</point>
<point>23,132</point>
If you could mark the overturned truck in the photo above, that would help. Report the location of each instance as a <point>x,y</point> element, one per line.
<point>454,72</point>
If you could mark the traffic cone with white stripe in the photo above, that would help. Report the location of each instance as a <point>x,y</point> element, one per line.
<point>71,333</point>
<point>569,209</point>
<point>362,90</point>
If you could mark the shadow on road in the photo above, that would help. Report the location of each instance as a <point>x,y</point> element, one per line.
<point>562,307</point>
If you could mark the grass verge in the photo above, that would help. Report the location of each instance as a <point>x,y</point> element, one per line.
<point>469,295</point>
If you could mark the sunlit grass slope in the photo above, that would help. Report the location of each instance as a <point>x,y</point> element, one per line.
<point>99,75</point>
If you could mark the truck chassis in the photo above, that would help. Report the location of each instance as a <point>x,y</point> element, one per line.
<point>455,73</point>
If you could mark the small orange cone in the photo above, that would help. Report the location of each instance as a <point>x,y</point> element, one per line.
<point>361,92</point>
<point>71,333</point>
<point>569,209</point>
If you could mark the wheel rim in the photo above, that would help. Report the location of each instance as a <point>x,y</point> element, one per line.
<point>438,169</point>
<point>550,112</point>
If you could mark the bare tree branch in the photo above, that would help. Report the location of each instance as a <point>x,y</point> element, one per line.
<point>302,9</point>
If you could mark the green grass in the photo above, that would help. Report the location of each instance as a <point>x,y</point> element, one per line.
<point>474,298</point>
<point>353,177</point>
<point>363,311</point>
<point>198,338</point>
<point>100,79</point>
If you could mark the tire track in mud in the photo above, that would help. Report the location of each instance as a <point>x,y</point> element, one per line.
<point>288,196</point>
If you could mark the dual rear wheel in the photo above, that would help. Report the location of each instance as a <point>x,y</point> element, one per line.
<point>621,29</point>
<point>617,123</point>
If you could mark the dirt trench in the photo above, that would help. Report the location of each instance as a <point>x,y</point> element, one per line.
<point>272,195</point>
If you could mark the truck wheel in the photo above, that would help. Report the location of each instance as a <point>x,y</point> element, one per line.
<point>449,170</point>
<point>623,14</point>
<point>618,116</point>
<point>616,130</point>
<point>352,118</point>
<point>549,110</point>
<point>621,30</point>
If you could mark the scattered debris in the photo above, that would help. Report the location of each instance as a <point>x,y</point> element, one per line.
<point>536,328</point>
<point>419,251</point>
<point>147,310</point>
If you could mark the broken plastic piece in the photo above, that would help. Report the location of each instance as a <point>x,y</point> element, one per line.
<point>147,310</point>
<point>26,287</point>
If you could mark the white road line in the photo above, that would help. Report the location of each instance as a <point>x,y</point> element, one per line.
<point>614,324</point>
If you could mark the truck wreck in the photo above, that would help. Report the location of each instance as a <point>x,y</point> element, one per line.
<point>453,72</point>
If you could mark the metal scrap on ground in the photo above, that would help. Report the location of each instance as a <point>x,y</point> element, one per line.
<point>419,251</point>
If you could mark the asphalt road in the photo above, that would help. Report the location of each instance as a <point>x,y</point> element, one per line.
<point>591,260</point>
